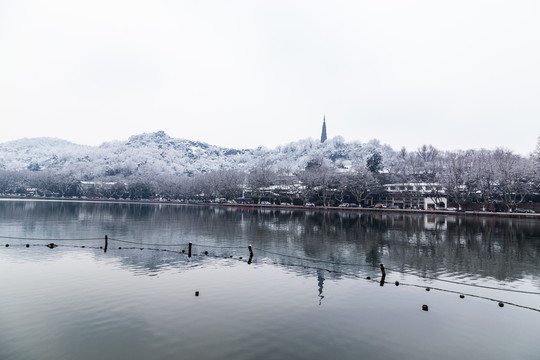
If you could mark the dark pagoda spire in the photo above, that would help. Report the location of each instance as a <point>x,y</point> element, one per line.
<point>323,135</point>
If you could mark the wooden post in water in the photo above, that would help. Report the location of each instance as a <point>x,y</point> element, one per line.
<point>189,249</point>
<point>383,270</point>
<point>106,243</point>
<point>250,254</point>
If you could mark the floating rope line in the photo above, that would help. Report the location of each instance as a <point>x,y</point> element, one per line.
<point>273,253</point>
<point>418,286</point>
<point>352,275</point>
<point>472,295</point>
<point>141,243</point>
<point>465,284</point>
<point>220,247</point>
<point>49,239</point>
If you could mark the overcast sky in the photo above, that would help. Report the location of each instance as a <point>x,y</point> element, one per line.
<point>454,74</point>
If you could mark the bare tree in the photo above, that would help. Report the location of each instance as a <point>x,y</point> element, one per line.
<point>455,178</point>
<point>309,178</point>
<point>428,164</point>
<point>261,177</point>
<point>363,183</point>
<point>514,177</point>
<point>535,159</point>
<point>319,177</point>
<point>230,183</point>
<point>343,183</point>
<point>482,177</point>
<point>327,181</point>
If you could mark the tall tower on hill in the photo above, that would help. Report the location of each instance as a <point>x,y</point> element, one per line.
<point>323,135</point>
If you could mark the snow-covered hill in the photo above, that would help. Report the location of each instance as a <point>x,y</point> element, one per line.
<point>159,154</point>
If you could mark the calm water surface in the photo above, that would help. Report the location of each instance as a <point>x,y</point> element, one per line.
<point>305,295</point>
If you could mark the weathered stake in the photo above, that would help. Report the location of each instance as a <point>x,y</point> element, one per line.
<point>106,243</point>
<point>250,254</point>
<point>383,275</point>
<point>189,249</point>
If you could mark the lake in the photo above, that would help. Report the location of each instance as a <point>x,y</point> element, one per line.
<point>312,289</point>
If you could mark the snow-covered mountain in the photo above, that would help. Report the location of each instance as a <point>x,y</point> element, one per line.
<point>159,154</point>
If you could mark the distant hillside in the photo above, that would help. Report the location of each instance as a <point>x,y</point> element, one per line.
<point>159,154</point>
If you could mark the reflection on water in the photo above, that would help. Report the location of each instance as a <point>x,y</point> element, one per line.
<point>427,245</point>
<point>73,302</point>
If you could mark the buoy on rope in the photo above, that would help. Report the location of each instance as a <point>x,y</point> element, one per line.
<point>425,307</point>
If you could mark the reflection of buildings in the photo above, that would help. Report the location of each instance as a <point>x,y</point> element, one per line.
<point>415,196</point>
<point>435,222</point>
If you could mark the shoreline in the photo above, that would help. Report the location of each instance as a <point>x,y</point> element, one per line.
<point>535,216</point>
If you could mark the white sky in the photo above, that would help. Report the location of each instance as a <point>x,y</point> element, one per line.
<point>454,74</point>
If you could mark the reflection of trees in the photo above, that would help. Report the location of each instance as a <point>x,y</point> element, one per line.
<point>506,249</point>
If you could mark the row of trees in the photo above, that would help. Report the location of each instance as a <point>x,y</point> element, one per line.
<point>473,176</point>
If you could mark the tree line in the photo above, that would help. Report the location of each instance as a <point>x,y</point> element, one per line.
<point>464,177</point>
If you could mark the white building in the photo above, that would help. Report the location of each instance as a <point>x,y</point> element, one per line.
<point>415,196</point>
